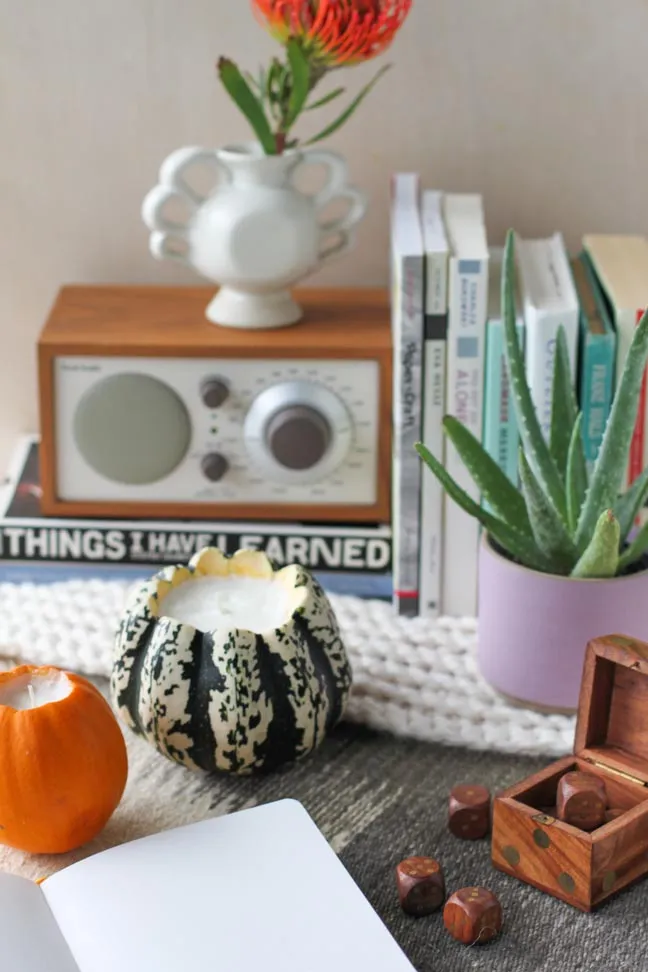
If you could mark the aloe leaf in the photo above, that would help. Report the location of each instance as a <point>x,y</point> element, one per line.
<point>576,477</point>
<point>612,459</point>
<point>299,81</point>
<point>549,531</point>
<point>529,428</point>
<point>563,406</point>
<point>243,96</point>
<point>346,114</point>
<point>519,546</point>
<point>636,549</point>
<point>629,503</point>
<point>327,99</point>
<point>494,485</point>
<point>601,556</point>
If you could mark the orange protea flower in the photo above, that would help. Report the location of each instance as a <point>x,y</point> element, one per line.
<point>335,32</point>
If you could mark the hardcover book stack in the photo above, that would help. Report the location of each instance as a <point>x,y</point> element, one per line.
<point>37,549</point>
<point>449,360</point>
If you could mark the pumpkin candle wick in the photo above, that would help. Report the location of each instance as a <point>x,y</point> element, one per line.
<point>31,690</point>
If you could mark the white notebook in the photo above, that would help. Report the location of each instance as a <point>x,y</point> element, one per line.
<point>257,889</point>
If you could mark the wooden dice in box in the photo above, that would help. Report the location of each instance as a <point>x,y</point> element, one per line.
<point>611,742</point>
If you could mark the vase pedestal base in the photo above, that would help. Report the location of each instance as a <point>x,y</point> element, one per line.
<point>235,308</point>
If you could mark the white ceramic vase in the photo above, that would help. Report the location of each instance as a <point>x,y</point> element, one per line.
<point>255,234</point>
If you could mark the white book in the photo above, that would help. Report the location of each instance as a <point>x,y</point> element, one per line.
<point>467,310</point>
<point>407,289</point>
<point>257,889</point>
<point>435,242</point>
<point>549,300</point>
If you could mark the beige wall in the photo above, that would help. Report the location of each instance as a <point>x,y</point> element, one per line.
<point>542,105</point>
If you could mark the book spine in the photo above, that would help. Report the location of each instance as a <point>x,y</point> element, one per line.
<point>364,585</point>
<point>431,544</point>
<point>491,437</point>
<point>501,436</point>
<point>540,347</point>
<point>636,460</point>
<point>596,382</point>
<point>407,427</point>
<point>467,309</point>
<point>352,551</point>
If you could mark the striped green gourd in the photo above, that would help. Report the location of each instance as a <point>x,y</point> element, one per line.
<point>561,521</point>
<point>231,699</point>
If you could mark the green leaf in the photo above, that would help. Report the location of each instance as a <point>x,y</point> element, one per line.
<point>549,531</point>
<point>601,557</point>
<point>243,96</point>
<point>636,549</point>
<point>519,546</point>
<point>299,81</point>
<point>576,479</point>
<point>494,485</point>
<point>563,405</point>
<point>331,96</point>
<point>346,114</point>
<point>629,503</point>
<point>529,428</point>
<point>612,460</point>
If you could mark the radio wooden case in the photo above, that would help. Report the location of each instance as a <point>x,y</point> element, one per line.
<point>342,325</point>
<point>611,742</point>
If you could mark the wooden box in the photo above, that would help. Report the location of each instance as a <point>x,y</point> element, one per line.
<point>529,843</point>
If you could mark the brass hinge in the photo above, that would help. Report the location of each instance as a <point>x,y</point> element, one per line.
<point>617,772</point>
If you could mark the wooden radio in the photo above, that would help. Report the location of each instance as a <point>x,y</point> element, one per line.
<point>148,409</point>
<point>585,866</point>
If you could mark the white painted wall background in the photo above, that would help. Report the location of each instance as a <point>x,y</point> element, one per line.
<point>541,106</point>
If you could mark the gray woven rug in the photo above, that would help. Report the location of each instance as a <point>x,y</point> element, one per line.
<point>379,799</point>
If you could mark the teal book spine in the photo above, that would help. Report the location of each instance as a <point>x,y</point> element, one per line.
<point>596,389</point>
<point>597,358</point>
<point>500,437</point>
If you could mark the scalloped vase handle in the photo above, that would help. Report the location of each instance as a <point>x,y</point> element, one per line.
<point>253,232</point>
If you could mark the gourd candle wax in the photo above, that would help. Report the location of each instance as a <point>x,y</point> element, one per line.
<point>229,664</point>
<point>217,603</point>
<point>63,759</point>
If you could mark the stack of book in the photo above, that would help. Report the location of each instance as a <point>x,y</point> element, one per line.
<point>449,359</point>
<point>37,549</point>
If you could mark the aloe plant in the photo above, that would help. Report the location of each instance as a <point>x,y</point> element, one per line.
<point>561,520</point>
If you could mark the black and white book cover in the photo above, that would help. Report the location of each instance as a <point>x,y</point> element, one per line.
<point>28,537</point>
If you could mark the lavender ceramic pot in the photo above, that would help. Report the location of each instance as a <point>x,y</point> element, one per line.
<point>534,627</point>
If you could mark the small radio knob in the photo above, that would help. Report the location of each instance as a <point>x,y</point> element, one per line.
<point>214,466</point>
<point>298,436</point>
<point>214,391</point>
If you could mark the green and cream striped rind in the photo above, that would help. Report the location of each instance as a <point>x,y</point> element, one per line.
<point>237,701</point>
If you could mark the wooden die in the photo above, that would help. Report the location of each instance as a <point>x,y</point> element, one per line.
<point>586,868</point>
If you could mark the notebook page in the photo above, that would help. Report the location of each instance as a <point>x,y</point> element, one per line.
<point>30,938</point>
<point>258,889</point>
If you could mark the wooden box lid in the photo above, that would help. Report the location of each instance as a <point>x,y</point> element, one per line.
<point>612,721</point>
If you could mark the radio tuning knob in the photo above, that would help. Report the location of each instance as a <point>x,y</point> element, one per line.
<point>298,436</point>
<point>214,391</point>
<point>214,466</point>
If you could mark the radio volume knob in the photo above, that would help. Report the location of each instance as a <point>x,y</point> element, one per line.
<point>214,392</point>
<point>214,466</point>
<point>298,436</point>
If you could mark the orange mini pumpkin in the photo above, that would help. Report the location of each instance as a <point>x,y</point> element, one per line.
<point>63,763</point>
